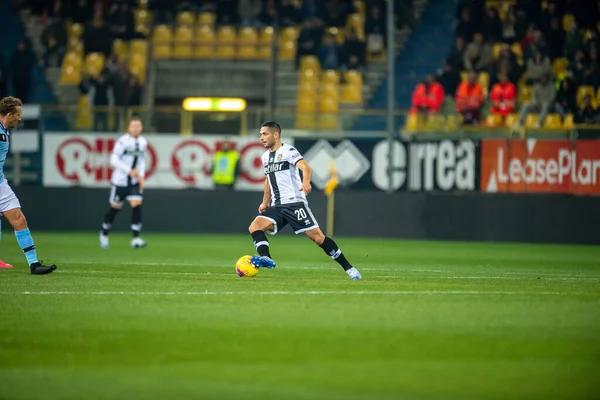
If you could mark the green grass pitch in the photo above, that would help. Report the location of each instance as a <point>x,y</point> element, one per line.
<point>429,320</point>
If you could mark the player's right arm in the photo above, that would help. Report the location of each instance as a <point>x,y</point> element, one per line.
<point>115,159</point>
<point>266,197</point>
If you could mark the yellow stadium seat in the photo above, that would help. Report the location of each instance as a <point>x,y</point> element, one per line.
<point>307,103</point>
<point>309,62</point>
<point>183,34</point>
<point>360,7</point>
<point>162,34</point>
<point>225,52</point>
<point>142,17</point>
<point>142,4</point>
<point>264,52</point>
<point>531,121</point>
<point>330,90</point>
<point>70,75</point>
<point>567,21</point>
<point>559,66</point>
<point>585,91</point>
<point>137,60</point>
<point>162,51</point>
<point>337,33</point>
<point>525,94</point>
<point>516,48</point>
<point>414,122</point>
<point>484,80</point>
<point>75,31</point>
<point>306,120</point>
<point>84,113</point>
<point>493,120</point>
<point>553,121</point>
<point>329,104</point>
<point>353,77</point>
<point>266,35</point>
<point>204,51</point>
<point>289,33</point>
<point>464,75</point>
<point>205,35</point>
<point>185,18</point>
<point>287,50</point>
<point>569,122</point>
<point>351,94</point>
<point>330,76</point>
<point>226,35</point>
<point>94,62</point>
<point>358,23</point>
<point>453,121</point>
<point>308,75</point>
<point>139,73</point>
<point>248,35</point>
<point>75,45</point>
<point>139,46</point>
<point>496,50</point>
<point>143,28</point>
<point>307,87</point>
<point>182,51</point>
<point>328,121</point>
<point>247,52</point>
<point>72,59</point>
<point>120,49</point>
<point>435,122</point>
<point>511,120</point>
<point>206,18</point>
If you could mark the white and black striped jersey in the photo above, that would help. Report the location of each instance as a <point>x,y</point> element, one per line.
<point>283,175</point>
<point>129,153</point>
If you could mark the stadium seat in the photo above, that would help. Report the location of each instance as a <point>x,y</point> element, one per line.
<point>287,50</point>
<point>264,52</point>
<point>72,59</point>
<point>138,46</point>
<point>75,31</point>
<point>351,94</point>
<point>531,121</point>
<point>358,23</point>
<point>493,120</point>
<point>162,34</point>
<point>484,81</point>
<point>309,75</point>
<point>337,33</point>
<point>84,113</point>
<point>226,35</point>
<point>464,76</point>
<point>306,120</point>
<point>516,48</point>
<point>183,35</point>
<point>309,87</point>
<point>353,77</point>
<point>435,122</point>
<point>585,91</point>
<point>307,103</point>
<point>75,45</point>
<point>496,50</point>
<point>414,122</point>
<point>247,52</point>
<point>205,35</point>
<point>330,76</point>
<point>142,17</point>
<point>567,21</point>
<point>225,52</point>
<point>266,35</point>
<point>330,90</point>
<point>185,18</point>
<point>204,51</point>
<point>511,120</point>
<point>162,51</point>
<point>525,94</point>
<point>569,122</point>
<point>309,62</point>
<point>553,121</point>
<point>139,73</point>
<point>248,35</point>
<point>70,75</point>
<point>453,122</point>
<point>559,66</point>
<point>360,7</point>
<point>120,49</point>
<point>330,121</point>
<point>142,4</point>
<point>182,51</point>
<point>289,33</point>
<point>206,18</point>
<point>137,62</point>
<point>328,104</point>
<point>94,63</point>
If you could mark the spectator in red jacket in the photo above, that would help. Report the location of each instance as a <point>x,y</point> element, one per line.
<point>428,96</point>
<point>469,100</point>
<point>504,96</point>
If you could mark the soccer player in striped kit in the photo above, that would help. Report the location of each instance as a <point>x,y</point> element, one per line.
<point>10,208</point>
<point>128,160</point>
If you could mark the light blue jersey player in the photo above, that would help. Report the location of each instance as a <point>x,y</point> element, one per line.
<point>10,208</point>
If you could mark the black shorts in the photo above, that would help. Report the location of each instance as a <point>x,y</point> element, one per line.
<point>298,215</point>
<point>118,194</point>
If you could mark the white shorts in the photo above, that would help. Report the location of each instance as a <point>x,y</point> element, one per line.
<point>8,199</point>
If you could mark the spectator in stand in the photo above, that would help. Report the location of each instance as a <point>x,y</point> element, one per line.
<point>542,100</point>
<point>3,78</point>
<point>312,9</point>
<point>478,55</point>
<point>449,78</point>
<point>566,97</point>
<point>268,16</point>
<point>509,30</point>
<point>591,74</point>
<point>249,10</point>
<point>587,114</point>
<point>309,39</point>
<point>21,63</point>
<point>54,41</point>
<point>121,22</point>
<point>508,64</point>
<point>574,42</point>
<point>428,97</point>
<point>503,96</point>
<point>580,64</point>
<point>456,57</point>
<point>586,13</point>
<point>97,37</point>
<point>545,19</point>
<point>353,47</point>
<point>337,11</point>
<point>162,9</point>
<point>534,43</point>
<point>289,15</point>
<point>492,25</point>
<point>375,31</point>
<point>133,92</point>
<point>208,6</point>
<point>537,66</point>
<point>466,27</point>
<point>404,14</point>
<point>469,100</point>
<point>329,54</point>
<point>78,11</point>
<point>102,97</point>
<point>227,12</point>
<point>353,64</point>
<point>556,39</point>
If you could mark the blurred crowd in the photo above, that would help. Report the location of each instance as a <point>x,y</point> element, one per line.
<point>533,54</point>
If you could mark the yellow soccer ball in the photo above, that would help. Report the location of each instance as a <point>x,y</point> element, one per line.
<point>244,267</point>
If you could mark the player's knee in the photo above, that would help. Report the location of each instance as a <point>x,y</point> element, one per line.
<point>318,237</point>
<point>19,222</point>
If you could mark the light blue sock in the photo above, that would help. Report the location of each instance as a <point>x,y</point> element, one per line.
<point>26,242</point>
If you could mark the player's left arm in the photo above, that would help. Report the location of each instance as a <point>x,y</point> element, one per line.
<point>306,176</point>
<point>141,168</point>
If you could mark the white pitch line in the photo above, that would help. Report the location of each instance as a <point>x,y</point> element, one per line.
<point>557,278</point>
<point>302,293</point>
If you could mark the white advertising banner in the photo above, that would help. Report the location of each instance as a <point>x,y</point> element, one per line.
<point>172,162</point>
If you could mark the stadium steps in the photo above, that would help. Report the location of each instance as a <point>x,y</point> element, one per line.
<point>424,53</point>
